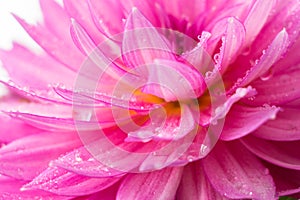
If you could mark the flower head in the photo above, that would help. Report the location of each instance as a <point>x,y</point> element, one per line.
<point>154,100</point>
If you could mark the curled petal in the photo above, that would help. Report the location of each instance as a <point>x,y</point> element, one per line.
<point>242,120</point>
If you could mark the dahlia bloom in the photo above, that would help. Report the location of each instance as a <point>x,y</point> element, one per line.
<point>154,99</point>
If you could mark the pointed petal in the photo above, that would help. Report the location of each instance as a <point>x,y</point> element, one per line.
<point>148,43</point>
<point>286,126</point>
<point>63,182</point>
<point>107,23</point>
<point>79,10</point>
<point>54,46</point>
<point>163,184</point>
<point>256,18</point>
<point>195,186</point>
<point>11,189</point>
<point>235,177</point>
<point>284,154</point>
<point>80,161</point>
<point>242,120</point>
<point>25,158</point>
<point>261,66</point>
<point>232,41</point>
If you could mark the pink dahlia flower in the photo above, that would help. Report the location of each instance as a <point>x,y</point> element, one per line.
<point>154,99</point>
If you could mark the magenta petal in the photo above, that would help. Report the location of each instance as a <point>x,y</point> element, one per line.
<point>11,189</point>
<point>286,126</point>
<point>195,186</point>
<point>80,161</point>
<point>157,185</point>
<point>142,42</point>
<point>287,181</point>
<point>62,182</point>
<point>282,87</point>
<point>284,154</point>
<point>25,158</point>
<point>237,173</point>
<point>242,120</point>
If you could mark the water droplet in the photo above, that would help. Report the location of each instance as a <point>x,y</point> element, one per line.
<point>266,76</point>
<point>216,57</point>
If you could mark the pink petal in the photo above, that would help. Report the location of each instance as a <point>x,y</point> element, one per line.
<point>234,35</point>
<point>270,56</point>
<point>287,181</point>
<point>25,158</point>
<point>80,161</point>
<point>16,128</point>
<point>195,186</point>
<point>79,10</point>
<point>157,185</point>
<point>11,189</point>
<point>221,111</point>
<point>286,126</point>
<point>189,85</point>
<point>107,23</point>
<point>166,127</point>
<point>198,57</point>
<point>107,194</point>
<point>256,18</point>
<point>63,182</point>
<point>148,43</point>
<point>54,46</point>
<point>284,154</point>
<point>235,173</point>
<point>278,89</point>
<point>242,120</point>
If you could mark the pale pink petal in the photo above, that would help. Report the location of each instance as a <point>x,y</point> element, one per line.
<point>16,128</point>
<point>242,120</point>
<point>62,182</point>
<point>286,126</point>
<point>256,18</point>
<point>165,127</point>
<point>25,158</point>
<point>278,89</point>
<point>232,41</point>
<point>80,161</point>
<point>261,66</point>
<point>284,154</point>
<point>148,43</point>
<point>106,23</point>
<point>195,186</point>
<point>189,85</point>
<point>236,173</point>
<point>54,46</point>
<point>157,185</point>
<point>287,180</point>
<point>79,10</point>
<point>11,189</point>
